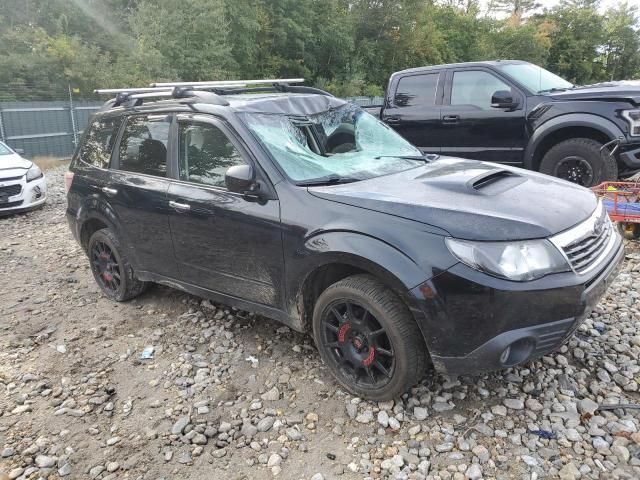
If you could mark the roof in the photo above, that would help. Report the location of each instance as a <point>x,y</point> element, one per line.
<point>285,103</point>
<point>455,65</point>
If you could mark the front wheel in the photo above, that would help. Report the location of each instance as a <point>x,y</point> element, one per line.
<point>110,267</point>
<point>368,338</point>
<point>580,160</point>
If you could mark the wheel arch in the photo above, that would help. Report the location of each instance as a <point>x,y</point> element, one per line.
<point>94,215</point>
<point>343,257</point>
<point>566,127</point>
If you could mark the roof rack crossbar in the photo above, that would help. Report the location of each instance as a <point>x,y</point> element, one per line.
<point>228,83</point>
<point>111,91</point>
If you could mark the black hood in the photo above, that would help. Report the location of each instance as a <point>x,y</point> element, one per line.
<point>610,91</point>
<point>472,200</point>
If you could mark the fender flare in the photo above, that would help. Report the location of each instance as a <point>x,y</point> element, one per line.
<point>596,122</point>
<point>94,208</point>
<point>357,249</point>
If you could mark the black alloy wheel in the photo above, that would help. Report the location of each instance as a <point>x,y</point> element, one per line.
<point>368,338</point>
<point>576,170</point>
<point>105,266</point>
<point>358,344</point>
<point>111,268</point>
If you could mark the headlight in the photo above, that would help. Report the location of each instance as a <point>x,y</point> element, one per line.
<point>519,261</point>
<point>34,173</point>
<point>633,117</point>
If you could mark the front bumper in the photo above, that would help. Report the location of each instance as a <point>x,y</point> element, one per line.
<point>629,156</point>
<point>18,195</point>
<point>473,322</point>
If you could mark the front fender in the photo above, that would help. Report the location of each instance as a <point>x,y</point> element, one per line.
<point>368,253</point>
<point>596,122</point>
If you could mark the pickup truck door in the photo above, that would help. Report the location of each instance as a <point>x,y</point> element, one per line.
<point>412,108</point>
<point>471,127</point>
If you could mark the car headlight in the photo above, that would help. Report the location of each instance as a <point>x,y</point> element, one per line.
<point>518,261</point>
<point>34,173</point>
<point>633,117</point>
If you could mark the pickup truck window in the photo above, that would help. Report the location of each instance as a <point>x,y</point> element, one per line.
<point>475,87</point>
<point>355,144</point>
<point>417,90</point>
<point>535,78</point>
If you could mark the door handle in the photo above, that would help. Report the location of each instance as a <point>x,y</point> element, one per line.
<point>179,207</point>
<point>451,118</point>
<point>392,120</point>
<point>109,191</point>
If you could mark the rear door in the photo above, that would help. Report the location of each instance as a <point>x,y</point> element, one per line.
<point>412,108</point>
<point>223,241</point>
<point>471,127</point>
<point>137,191</point>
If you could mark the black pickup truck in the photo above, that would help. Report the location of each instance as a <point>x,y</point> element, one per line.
<point>518,113</point>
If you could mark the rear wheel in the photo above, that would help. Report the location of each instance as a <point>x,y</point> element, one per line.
<point>579,160</point>
<point>110,267</point>
<point>368,338</point>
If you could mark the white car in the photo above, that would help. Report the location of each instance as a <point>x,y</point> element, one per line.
<point>22,183</point>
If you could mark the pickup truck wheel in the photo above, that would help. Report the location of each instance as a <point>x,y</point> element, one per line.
<point>579,160</point>
<point>111,269</point>
<point>368,338</point>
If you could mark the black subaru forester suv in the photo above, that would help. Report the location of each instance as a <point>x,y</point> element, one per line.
<point>299,206</point>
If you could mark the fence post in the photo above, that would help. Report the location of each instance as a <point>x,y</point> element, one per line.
<point>1,127</point>
<point>73,118</point>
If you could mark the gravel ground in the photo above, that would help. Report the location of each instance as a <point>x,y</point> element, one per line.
<point>232,395</point>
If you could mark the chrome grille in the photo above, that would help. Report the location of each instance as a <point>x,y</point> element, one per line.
<point>586,244</point>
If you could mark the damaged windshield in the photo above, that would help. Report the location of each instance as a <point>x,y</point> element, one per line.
<point>343,144</point>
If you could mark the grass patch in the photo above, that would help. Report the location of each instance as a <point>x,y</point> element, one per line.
<point>47,163</point>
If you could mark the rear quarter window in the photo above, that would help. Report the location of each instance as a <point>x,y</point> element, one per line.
<point>99,140</point>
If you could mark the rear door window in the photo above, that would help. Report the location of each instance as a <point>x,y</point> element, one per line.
<point>144,145</point>
<point>99,140</point>
<point>417,90</point>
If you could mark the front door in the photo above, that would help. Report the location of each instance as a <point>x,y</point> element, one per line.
<point>471,127</point>
<point>137,190</point>
<point>223,241</point>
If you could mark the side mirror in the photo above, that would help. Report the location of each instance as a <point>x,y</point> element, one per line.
<point>240,179</point>
<point>503,99</point>
<point>19,151</point>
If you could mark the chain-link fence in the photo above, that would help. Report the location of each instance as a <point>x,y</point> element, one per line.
<point>53,128</point>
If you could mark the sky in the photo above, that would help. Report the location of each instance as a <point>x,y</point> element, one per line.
<point>604,4</point>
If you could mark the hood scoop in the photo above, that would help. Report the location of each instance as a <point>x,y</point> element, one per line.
<point>495,181</point>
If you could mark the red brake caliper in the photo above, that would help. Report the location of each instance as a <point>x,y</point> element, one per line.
<point>369,360</point>
<point>106,275</point>
<point>342,333</point>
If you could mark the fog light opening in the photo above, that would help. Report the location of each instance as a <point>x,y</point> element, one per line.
<point>517,352</point>
<point>37,193</point>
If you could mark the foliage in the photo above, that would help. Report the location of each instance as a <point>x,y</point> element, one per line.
<point>346,46</point>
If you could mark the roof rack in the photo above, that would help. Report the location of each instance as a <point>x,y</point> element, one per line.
<point>136,95</point>
<point>228,83</point>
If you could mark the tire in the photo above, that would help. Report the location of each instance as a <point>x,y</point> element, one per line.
<point>111,269</point>
<point>346,335</point>
<point>630,231</point>
<point>579,160</point>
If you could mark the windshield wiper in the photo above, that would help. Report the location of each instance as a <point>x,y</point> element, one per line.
<point>421,158</point>
<point>332,179</point>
